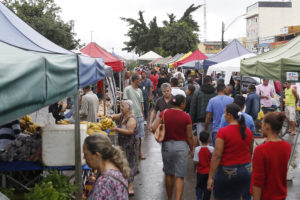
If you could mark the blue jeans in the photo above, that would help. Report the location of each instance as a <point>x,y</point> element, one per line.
<point>213,137</point>
<point>232,182</point>
<point>201,188</point>
<point>146,108</point>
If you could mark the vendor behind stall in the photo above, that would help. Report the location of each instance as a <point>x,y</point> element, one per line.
<point>8,133</point>
<point>56,110</point>
<point>89,105</point>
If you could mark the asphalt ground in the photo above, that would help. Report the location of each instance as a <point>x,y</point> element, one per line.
<point>149,183</point>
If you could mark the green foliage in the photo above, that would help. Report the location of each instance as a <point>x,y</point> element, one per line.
<point>43,16</point>
<point>43,191</point>
<point>144,38</point>
<point>132,64</point>
<point>9,192</point>
<point>179,38</point>
<point>54,186</point>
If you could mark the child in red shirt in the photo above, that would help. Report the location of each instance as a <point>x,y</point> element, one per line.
<point>270,161</point>
<point>202,157</point>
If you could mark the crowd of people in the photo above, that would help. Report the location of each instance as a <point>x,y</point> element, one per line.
<point>206,120</point>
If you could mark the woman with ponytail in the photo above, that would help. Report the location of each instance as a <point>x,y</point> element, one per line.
<point>112,166</point>
<point>270,161</point>
<point>230,172</point>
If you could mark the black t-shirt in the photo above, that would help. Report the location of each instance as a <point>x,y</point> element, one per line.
<point>161,81</point>
<point>161,104</point>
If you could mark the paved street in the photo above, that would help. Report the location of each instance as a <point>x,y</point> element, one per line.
<point>149,184</point>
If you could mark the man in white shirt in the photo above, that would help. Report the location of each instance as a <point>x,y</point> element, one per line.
<point>179,71</point>
<point>175,89</point>
<point>89,105</point>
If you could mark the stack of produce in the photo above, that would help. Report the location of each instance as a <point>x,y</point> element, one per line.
<point>23,148</point>
<point>27,125</point>
<point>100,127</point>
<point>64,121</point>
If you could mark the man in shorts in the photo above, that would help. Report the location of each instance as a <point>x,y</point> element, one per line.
<point>291,99</point>
<point>134,93</point>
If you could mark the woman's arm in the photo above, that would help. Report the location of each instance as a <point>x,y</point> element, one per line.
<point>215,161</point>
<point>156,124</point>
<point>115,117</point>
<point>190,139</point>
<point>130,127</point>
<point>256,192</point>
<point>251,146</point>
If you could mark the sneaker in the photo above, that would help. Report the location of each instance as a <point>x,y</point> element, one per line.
<point>145,122</point>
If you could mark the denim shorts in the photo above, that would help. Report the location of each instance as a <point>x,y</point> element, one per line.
<point>232,182</point>
<point>175,157</point>
<point>140,127</point>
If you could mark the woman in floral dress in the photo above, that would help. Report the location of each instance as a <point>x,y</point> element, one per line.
<point>112,166</point>
<point>128,139</point>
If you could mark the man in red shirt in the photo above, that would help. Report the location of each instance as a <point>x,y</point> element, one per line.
<point>154,79</point>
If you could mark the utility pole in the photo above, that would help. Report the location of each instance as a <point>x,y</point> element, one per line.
<point>91,36</point>
<point>223,30</point>
<point>204,21</point>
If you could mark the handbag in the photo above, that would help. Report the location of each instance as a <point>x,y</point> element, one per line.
<point>160,132</point>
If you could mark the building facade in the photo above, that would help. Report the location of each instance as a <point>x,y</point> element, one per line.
<point>266,19</point>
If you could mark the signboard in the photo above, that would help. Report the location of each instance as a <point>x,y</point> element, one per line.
<point>284,31</point>
<point>292,76</point>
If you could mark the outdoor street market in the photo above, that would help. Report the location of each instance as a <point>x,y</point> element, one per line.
<point>168,113</point>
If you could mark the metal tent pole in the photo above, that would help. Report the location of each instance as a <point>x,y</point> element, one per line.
<point>104,96</point>
<point>78,167</point>
<point>120,85</point>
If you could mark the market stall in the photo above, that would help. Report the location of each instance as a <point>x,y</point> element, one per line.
<point>229,66</point>
<point>282,63</point>
<point>95,51</point>
<point>171,65</point>
<point>233,50</point>
<point>48,73</point>
<point>196,55</point>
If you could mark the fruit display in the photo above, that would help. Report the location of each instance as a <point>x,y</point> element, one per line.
<point>27,125</point>
<point>63,121</point>
<point>99,127</point>
<point>24,148</point>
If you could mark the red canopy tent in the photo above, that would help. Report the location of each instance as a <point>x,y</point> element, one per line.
<point>95,51</point>
<point>196,55</point>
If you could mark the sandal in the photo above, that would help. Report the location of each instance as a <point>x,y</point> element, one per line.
<point>293,133</point>
<point>142,157</point>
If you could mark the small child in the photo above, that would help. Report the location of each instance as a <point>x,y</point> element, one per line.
<point>202,157</point>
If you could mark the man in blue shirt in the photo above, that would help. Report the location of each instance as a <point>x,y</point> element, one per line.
<point>240,101</point>
<point>146,87</point>
<point>252,102</point>
<point>215,110</point>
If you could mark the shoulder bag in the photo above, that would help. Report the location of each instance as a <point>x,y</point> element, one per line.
<point>161,130</point>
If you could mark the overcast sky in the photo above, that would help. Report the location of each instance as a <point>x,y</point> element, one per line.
<point>103,18</point>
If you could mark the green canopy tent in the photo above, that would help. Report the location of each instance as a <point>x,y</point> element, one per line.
<point>281,64</point>
<point>162,61</point>
<point>31,80</point>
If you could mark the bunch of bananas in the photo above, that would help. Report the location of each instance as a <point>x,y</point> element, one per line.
<point>106,123</point>
<point>63,121</point>
<point>27,124</point>
<point>99,127</point>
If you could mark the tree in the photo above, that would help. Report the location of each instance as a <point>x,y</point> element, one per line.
<point>175,36</point>
<point>43,16</point>
<point>178,38</point>
<point>142,37</point>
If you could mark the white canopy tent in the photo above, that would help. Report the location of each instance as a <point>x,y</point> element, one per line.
<point>149,56</point>
<point>229,66</point>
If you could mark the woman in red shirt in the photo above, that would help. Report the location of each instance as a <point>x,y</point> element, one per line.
<point>270,161</point>
<point>230,171</point>
<point>176,146</point>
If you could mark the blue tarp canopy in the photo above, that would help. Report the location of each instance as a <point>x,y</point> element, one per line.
<point>17,33</point>
<point>233,50</point>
